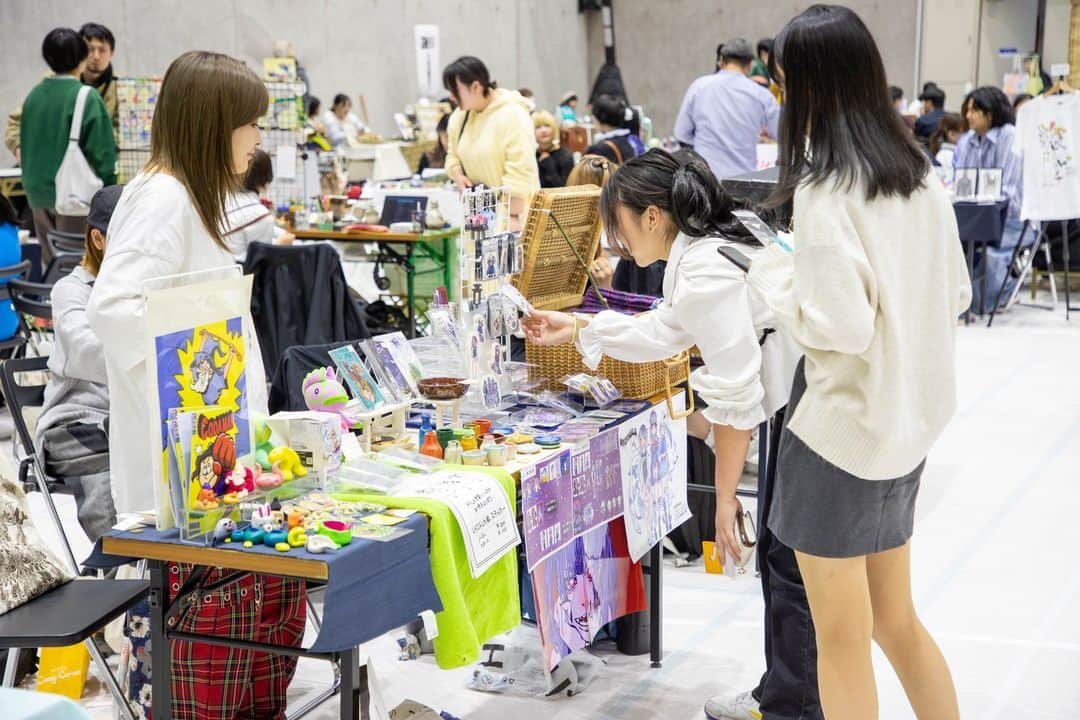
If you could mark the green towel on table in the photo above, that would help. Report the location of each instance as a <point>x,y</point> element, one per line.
<point>474,610</point>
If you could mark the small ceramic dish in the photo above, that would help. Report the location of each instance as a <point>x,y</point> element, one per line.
<point>443,388</point>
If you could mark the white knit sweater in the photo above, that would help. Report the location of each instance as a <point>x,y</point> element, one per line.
<point>872,293</point>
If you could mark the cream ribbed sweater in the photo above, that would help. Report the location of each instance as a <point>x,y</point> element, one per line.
<point>872,293</point>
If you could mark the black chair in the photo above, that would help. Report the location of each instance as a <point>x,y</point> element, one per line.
<point>33,303</point>
<point>20,397</point>
<point>61,242</point>
<point>73,612</point>
<point>60,266</point>
<point>15,345</point>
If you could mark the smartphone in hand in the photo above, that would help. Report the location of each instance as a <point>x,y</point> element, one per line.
<point>735,257</point>
<point>760,229</point>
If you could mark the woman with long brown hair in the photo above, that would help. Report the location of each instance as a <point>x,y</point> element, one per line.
<point>170,220</point>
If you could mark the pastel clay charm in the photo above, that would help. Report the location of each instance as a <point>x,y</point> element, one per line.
<point>263,445</point>
<point>297,537</point>
<point>318,544</point>
<point>283,547</point>
<point>338,531</point>
<point>248,543</point>
<point>275,538</point>
<point>287,463</point>
<point>265,480</point>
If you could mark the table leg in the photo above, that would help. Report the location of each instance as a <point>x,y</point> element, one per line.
<point>971,274</point>
<point>160,668</point>
<point>447,271</point>
<point>349,664</point>
<point>656,610</point>
<point>410,284</point>
<point>1065,257</point>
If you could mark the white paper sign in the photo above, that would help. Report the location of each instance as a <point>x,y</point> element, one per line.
<point>482,509</point>
<point>428,69</point>
<point>652,452</point>
<point>286,162</point>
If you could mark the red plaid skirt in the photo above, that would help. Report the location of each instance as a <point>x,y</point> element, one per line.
<point>210,682</point>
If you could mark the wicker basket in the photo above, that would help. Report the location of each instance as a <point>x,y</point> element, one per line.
<point>555,280</point>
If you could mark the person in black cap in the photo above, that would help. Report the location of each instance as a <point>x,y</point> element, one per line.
<point>72,433</point>
<point>933,100</point>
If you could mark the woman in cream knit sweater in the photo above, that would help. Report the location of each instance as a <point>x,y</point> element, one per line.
<point>872,293</point>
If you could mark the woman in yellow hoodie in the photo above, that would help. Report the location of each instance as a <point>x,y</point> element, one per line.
<point>491,136</point>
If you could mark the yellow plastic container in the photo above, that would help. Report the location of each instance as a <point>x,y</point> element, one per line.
<point>62,670</point>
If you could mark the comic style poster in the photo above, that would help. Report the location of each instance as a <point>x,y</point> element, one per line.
<point>583,587</point>
<point>546,507</point>
<point>652,453</point>
<point>203,369</point>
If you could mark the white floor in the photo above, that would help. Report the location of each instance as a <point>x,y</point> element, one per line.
<point>994,577</point>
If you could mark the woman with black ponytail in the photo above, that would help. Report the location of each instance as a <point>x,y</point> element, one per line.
<point>657,207</point>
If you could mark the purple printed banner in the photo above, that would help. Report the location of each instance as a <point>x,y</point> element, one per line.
<point>546,507</point>
<point>597,482</point>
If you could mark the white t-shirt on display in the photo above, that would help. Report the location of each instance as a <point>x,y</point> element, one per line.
<point>1046,129</point>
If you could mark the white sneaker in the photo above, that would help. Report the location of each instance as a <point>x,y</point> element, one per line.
<point>733,707</point>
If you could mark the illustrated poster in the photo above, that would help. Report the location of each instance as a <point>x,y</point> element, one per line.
<point>586,585</point>
<point>597,483</point>
<point>199,353</point>
<point>652,451</point>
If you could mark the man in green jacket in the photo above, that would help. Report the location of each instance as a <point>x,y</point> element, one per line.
<point>43,137</point>
<point>98,75</point>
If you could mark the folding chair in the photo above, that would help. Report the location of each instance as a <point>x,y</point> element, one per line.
<point>13,345</point>
<point>20,397</point>
<point>32,300</point>
<point>65,242</point>
<point>60,266</point>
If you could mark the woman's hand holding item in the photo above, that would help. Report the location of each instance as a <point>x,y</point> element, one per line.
<point>602,271</point>
<point>462,182</point>
<point>550,327</point>
<point>727,509</point>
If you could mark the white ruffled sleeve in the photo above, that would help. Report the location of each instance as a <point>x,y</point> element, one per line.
<point>710,308</point>
<point>712,299</point>
<point>654,335</point>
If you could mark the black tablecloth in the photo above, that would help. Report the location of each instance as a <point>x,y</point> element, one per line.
<point>981,222</point>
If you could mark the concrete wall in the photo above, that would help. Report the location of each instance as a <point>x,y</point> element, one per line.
<point>1006,23</point>
<point>1056,32</point>
<point>350,46</point>
<point>949,48</point>
<point>663,46</point>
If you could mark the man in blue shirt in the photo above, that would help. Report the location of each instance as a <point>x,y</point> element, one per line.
<point>989,144</point>
<point>723,115</point>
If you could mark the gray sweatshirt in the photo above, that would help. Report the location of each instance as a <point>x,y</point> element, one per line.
<point>77,390</point>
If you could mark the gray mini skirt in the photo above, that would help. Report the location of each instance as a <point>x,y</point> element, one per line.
<point>819,509</point>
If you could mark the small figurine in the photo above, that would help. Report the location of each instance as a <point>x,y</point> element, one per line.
<point>287,463</point>
<point>239,482</point>
<point>224,528</point>
<point>206,499</point>
<point>269,480</point>
<point>260,514</point>
<point>324,393</point>
<point>263,446</point>
<point>274,526</point>
<point>318,544</point>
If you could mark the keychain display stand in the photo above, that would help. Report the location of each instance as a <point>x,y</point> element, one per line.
<point>386,421</point>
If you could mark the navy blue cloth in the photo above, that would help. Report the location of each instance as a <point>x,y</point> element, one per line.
<point>981,222</point>
<point>373,587</point>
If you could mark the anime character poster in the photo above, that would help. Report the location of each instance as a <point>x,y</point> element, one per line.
<point>583,587</point>
<point>652,454</point>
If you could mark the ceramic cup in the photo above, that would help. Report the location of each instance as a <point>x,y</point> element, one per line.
<point>496,455</point>
<point>511,451</point>
<point>473,457</point>
<point>481,426</point>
